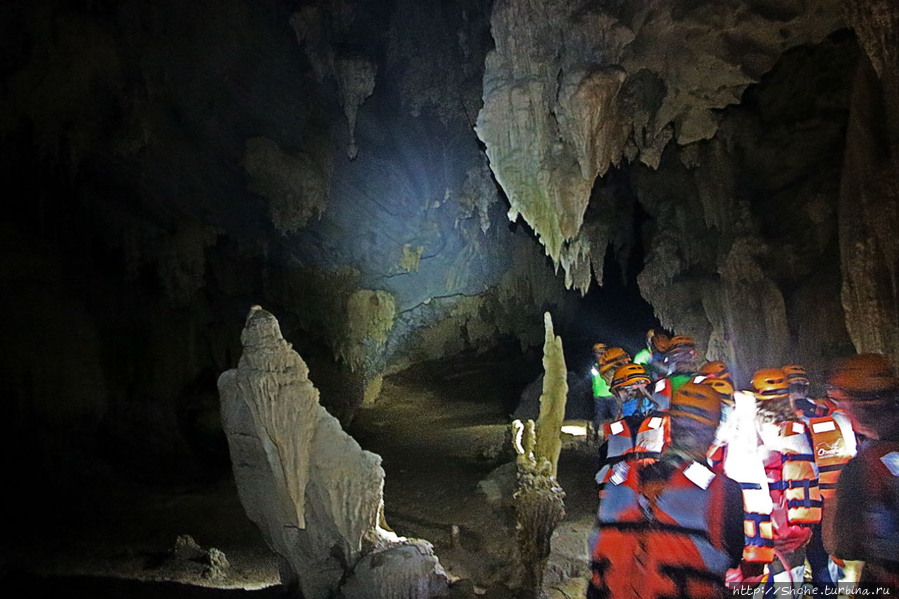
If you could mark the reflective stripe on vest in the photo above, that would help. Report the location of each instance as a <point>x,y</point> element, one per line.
<point>831,451</point>
<point>759,533</point>
<point>662,548</point>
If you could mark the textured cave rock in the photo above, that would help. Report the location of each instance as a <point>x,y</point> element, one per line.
<point>538,498</point>
<point>313,492</point>
<point>744,227</point>
<point>171,164</point>
<point>869,196</point>
<point>180,162</point>
<point>572,88</point>
<point>295,186</point>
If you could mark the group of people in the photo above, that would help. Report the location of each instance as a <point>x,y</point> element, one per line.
<point>706,489</point>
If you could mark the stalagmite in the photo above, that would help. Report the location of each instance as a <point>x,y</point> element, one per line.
<point>538,499</point>
<point>313,492</point>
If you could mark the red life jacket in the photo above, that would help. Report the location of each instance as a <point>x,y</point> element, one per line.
<point>660,543</point>
<point>652,438</point>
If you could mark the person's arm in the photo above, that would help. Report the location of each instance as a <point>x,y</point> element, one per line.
<point>732,533</point>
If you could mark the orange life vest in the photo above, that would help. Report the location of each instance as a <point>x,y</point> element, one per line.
<point>661,543</point>
<point>832,449</point>
<point>652,438</point>
<point>798,477</point>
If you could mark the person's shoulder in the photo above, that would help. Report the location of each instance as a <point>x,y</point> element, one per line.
<point>729,483</point>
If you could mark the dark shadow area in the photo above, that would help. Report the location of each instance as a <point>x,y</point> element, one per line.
<point>24,584</point>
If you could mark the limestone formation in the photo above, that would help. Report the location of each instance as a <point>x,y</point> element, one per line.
<point>355,82</point>
<point>295,185</point>
<point>552,402</point>
<point>538,498</point>
<point>869,195</point>
<point>539,507</point>
<point>572,88</point>
<point>313,492</point>
<point>369,317</point>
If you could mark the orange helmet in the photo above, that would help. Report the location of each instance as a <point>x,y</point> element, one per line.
<point>795,374</point>
<point>866,377</point>
<point>723,388</point>
<point>657,342</point>
<point>627,375</point>
<point>612,358</point>
<point>770,383</point>
<point>696,401</point>
<point>599,348</point>
<point>680,346</point>
<point>716,369</point>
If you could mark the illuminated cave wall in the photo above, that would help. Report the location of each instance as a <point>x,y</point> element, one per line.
<point>353,166</point>
<point>178,162</point>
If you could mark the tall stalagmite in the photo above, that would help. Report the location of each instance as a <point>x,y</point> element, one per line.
<point>314,493</point>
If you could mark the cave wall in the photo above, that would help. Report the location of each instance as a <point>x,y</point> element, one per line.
<point>744,247</point>
<point>757,136</point>
<point>574,88</point>
<point>869,195</point>
<point>172,164</point>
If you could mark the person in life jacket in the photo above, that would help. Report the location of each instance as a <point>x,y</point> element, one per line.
<point>862,518</point>
<point>680,362</point>
<point>833,444</point>
<point>716,370</point>
<point>792,476</point>
<point>603,400</point>
<point>725,391</point>
<point>651,358</point>
<point>640,431</point>
<point>799,385</point>
<point>669,528</point>
<point>605,407</point>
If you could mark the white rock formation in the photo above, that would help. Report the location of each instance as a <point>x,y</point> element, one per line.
<point>313,492</point>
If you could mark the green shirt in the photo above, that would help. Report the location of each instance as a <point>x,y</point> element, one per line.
<point>600,387</point>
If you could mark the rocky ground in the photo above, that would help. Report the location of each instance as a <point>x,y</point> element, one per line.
<point>440,431</point>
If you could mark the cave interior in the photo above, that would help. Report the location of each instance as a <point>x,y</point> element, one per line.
<point>407,186</point>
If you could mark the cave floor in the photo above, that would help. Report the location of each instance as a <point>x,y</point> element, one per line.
<point>440,432</point>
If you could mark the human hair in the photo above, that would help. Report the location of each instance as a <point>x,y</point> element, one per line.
<point>779,409</point>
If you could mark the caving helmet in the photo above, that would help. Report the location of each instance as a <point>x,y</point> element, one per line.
<point>680,348</point>
<point>612,359</point>
<point>629,375</point>
<point>866,377</point>
<point>657,342</point>
<point>716,369</point>
<point>770,383</point>
<point>722,387</point>
<point>795,374</point>
<point>698,402</point>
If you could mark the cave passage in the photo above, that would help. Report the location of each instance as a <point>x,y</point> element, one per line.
<point>352,168</point>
